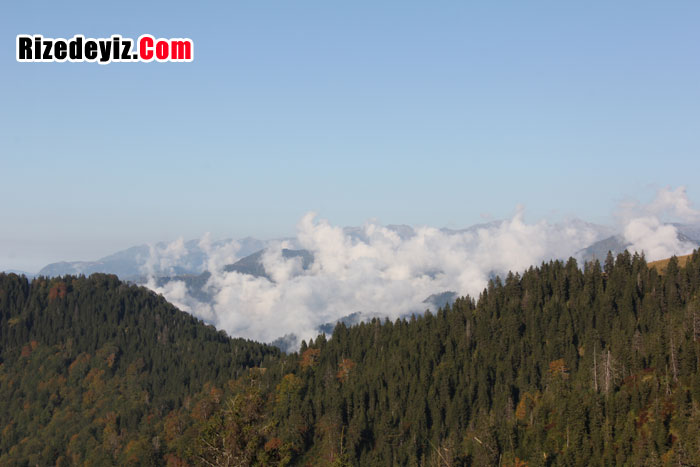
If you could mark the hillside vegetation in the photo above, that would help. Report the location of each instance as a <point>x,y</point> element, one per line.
<point>557,366</point>
<point>93,370</point>
<point>662,264</point>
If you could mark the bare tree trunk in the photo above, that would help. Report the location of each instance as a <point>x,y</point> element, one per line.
<point>607,374</point>
<point>674,367</point>
<point>595,370</point>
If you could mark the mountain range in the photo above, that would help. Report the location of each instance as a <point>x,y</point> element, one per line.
<point>183,266</point>
<point>132,264</point>
<point>557,367</point>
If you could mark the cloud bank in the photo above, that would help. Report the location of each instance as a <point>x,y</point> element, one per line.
<point>644,229</point>
<point>389,271</point>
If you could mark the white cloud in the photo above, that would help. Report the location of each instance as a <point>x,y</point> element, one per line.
<point>164,258</point>
<point>373,270</point>
<point>656,240</point>
<point>386,271</point>
<point>645,232</point>
<point>675,203</point>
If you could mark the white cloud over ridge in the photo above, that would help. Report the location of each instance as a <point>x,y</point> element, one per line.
<point>389,271</point>
<point>644,229</point>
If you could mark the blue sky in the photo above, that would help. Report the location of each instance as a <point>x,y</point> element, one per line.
<point>438,113</point>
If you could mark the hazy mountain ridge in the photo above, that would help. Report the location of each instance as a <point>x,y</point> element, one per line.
<point>132,263</point>
<point>686,233</point>
<point>204,289</point>
<point>301,286</point>
<point>253,265</point>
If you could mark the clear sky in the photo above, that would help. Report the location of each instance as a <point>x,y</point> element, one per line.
<point>439,113</point>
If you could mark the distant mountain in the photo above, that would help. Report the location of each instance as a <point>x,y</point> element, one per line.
<point>404,232</point>
<point>195,284</point>
<point>349,320</point>
<point>130,264</point>
<point>599,250</point>
<point>473,228</point>
<point>440,300</point>
<point>691,231</point>
<point>253,265</point>
<point>617,244</point>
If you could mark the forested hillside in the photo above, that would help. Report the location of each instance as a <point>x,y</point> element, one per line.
<point>559,366</point>
<point>93,370</point>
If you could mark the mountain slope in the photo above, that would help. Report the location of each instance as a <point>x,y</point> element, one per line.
<point>253,264</point>
<point>91,366</point>
<point>557,367</point>
<point>662,264</point>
